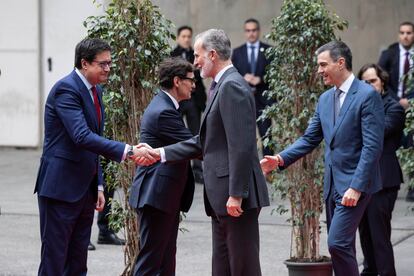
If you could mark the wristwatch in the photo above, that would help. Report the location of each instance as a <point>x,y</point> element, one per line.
<point>130,151</point>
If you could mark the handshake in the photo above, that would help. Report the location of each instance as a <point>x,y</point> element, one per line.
<point>270,162</point>
<point>144,155</point>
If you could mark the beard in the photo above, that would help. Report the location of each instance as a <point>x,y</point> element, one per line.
<point>206,69</point>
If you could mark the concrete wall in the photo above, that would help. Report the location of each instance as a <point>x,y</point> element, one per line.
<point>373,24</point>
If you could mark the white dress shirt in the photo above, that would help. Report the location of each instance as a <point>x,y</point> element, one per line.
<point>345,86</point>
<point>256,49</point>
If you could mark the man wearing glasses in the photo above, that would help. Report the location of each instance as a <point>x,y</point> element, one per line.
<point>249,59</point>
<point>69,184</point>
<point>159,192</point>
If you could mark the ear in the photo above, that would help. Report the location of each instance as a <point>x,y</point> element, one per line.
<point>84,64</point>
<point>341,62</point>
<point>213,54</point>
<point>176,81</point>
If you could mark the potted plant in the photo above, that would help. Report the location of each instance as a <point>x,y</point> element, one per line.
<point>302,27</point>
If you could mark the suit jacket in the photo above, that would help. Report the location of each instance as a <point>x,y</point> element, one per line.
<point>73,142</point>
<point>390,62</point>
<point>227,143</point>
<point>167,187</point>
<point>353,144</point>
<point>241,62</point>
<point>198,96</point>
<point>394,125</point>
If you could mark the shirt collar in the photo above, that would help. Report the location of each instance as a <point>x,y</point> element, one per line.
<point>346,85</point>
<point>256,44</point>
<point>84,80</point>
<point>220,74</point>
<point>403,50</point>
<point>175,102</point>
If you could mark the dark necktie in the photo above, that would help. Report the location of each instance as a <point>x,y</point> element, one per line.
<point>337,103</point>
<point>406,69</point>
<point>252,59</point>
<point>211,90</point>
<point>96,104</point>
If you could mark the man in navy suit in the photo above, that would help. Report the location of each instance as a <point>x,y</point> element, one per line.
<point>69,183</point>
<point>159,192</point>
<point>251,62</point>
<point>350,118</point>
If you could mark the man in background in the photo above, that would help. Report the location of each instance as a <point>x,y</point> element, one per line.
<point>249,59</point>
<point>192,108</point>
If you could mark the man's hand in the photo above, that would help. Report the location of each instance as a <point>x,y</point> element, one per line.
<point>249,78</point>
<point>350,197</point>
<point>100,203</point>
<point>234,206</point>
<point>255,81</point>
<point>145,155</point>
<point>404,103</point>
<point>269,163</point>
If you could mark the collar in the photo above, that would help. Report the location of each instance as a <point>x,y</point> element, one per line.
<point>346,85</point>
<point>256,44</point>
<point>176,105</point>
<point>220,74</point>
<point>403,50</point>
<point>84,80</point>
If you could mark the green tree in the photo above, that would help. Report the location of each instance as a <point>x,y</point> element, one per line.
<point>302,27</point>
<point>139,36</point>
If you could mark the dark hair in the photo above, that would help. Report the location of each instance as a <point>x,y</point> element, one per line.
<point>182,28</point>
<point>88,48</point>
<point>381,73</point>
<point>407,23</point>
<point>338,49</point>
<point>253,20</point>
<point>173,67</point>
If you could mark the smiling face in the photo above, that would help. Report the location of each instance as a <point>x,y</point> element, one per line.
<point>203,60</point>
<point>370,76</point>
<point>97,71</point>
<point>185,86</point>
<point>330,70</point>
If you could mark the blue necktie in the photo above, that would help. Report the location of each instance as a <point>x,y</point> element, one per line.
<point>252,60</point>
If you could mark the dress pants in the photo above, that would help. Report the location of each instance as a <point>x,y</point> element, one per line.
<point>65,231</point>
<point>375,234</point>
<point>343,223</point>
<point>236,245</point>
<point>103,219</point>
<point>158,242</point>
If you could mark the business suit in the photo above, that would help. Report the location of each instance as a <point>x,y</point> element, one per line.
<point>353,146</point>
<point>160,191</point>
<point>375,226</point>
<point>241,62</point>
<point>69,175</point>
<point>227,144</point>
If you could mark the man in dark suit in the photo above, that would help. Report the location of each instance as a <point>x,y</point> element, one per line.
<point>350,118</point>
<point>396,61</point>
<point>375,225</point>
<point>69,184</point>
<point>235,189</point>
<point>193,107</point>
<point>159,192</point>
<point>249,59</point>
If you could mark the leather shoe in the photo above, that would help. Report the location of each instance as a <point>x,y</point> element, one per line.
<point>91,246</point>
<point>110,238</point>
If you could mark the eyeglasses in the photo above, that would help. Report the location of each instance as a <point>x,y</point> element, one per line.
<point>193,80</point>
<point>104,64</point>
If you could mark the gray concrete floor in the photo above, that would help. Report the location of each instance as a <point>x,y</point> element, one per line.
<point>20,244</point>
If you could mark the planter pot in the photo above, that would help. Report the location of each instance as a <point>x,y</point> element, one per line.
<point>309,269</point>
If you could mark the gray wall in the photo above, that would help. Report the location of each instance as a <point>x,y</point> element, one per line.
<point>373,24</point>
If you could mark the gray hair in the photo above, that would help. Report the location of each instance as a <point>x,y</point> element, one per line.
<point>214,39</point>
<point>337,49</point>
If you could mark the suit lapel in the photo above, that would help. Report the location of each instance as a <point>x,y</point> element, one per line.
<point>350,96</point>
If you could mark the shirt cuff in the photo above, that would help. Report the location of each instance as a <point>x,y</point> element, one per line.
<point>100,188</point>
<point>125,152</point>
<point>162,155</point>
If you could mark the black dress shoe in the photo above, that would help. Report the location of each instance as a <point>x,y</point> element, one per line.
<point>91,247</point>
<point>110,238</point>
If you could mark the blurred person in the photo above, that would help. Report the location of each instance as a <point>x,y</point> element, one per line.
<point>350,119</point>
<point>193,107</point>
<point>251,62</point>
<point>69,183</point>
<point>375,225</point>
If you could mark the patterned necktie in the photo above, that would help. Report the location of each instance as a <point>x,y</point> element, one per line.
<point>337,103</point>
<point>211,90</point>
<point>252,59</point>
<point>405,71</point>
<point>96,104</point>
